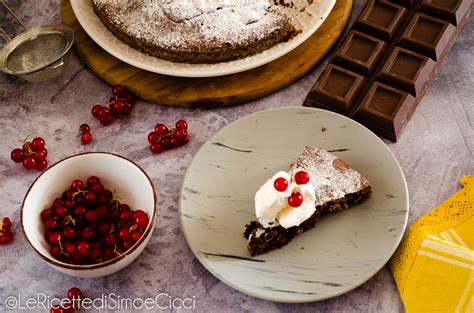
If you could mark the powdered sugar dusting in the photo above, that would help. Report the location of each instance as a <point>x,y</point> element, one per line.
<point>332,178</point>
<point>193,25</point>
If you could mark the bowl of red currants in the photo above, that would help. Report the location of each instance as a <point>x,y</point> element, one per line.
<point>90,215</point>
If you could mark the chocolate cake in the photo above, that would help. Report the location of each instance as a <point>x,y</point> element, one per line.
<point>187,31</point>
<point>337,186</point>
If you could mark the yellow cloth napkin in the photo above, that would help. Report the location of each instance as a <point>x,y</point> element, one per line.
<point>434,265</point>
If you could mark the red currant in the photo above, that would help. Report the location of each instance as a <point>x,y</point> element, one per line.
<point>103,212</point>
<point>166,143</point>
<point>69,248</point>
<point>29,163</point>
<point>141,221</point>
<point>136,235</point>
<point>110,240</point>
<point>41,154</point>
<point>61,212</point>
<point>79,211</point>
<point>93,180</point>
<point>174,142</point>
<point>124,234</point>
<point>91,217</point>
<point>104,228</point>
<point>125,217</point>
<point>105,116</point>
<point>95,254</point>
<point>45,214</point>
<point>77,184</point>
<point>87,234</point>
<point>181,124</point>
<point>302,178</point>
<point>41,164</point>
<point>17,155</point>
<point>58,202</point>
<point>295,200</point>
<point>96,110</point>
<point>55,252</point>
<point>6,237</point>
<point>83,248</point>
<point>181,134</point>
<point>156,148</point>
<point>91,197</point>
<point>187,139</point>
<point>86,138</point>
<point>161,129</point>
<point>6,224</point>
<point>124,207</point>
<point>54,239</point>
<point>127,108</point>
<point>118,106</point>
<point>280,184</point>
<point>127,245</point>
<point>153,137</point>
<point>51,224</point>
<point>137,213</point>
<point>84,128</point>
<point>119,91</point>
<point>69,233</point>
<point>97,188</point>
<point>37,144</point>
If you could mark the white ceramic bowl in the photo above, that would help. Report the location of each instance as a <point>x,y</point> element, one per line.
<point>117,173</point>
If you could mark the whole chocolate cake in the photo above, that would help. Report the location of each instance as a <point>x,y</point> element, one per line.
<point>188,31</point>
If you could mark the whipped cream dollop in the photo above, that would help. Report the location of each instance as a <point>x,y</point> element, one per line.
<point>272,207</point>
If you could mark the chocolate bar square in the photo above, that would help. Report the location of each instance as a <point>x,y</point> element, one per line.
<point>406,3</point>
<point>386,109</point>
<point>360,53</point>
<point>407,71</point>
<point>427,35</point>
<point>452,11</point>
<point>381,19</point>
<point>337,89</point>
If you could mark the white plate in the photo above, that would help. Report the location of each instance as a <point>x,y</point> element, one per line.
<point>308,21</point>
<point>344,249</point>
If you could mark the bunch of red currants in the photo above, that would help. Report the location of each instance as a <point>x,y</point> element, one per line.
<point>32,154</point>
<point>119,105</point>
<point>88,225</point>
<point>164,137</point>
<point>6,235</point>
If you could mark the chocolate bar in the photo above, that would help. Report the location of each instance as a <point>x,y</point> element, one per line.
<point>387,61</point>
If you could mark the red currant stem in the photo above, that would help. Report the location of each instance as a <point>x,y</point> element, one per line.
<point>28,151</point>
<point>26,139</point>
<point>108,103</point>
<point>79,191</point>
<point>133,227</point>
<point>70,219</point>
<point>61,247</point>
<point>115,250</point>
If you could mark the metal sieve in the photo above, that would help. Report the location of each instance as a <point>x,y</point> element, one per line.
<point>37,54</point>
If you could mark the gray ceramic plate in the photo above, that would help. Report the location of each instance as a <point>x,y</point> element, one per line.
<point>343,251</point>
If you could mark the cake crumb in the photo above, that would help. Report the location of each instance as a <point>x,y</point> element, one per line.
<point>323,129</point>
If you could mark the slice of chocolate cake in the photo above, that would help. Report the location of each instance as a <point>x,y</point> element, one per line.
<point>336,186</point>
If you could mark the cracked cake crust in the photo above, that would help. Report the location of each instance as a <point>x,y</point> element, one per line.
<point>196,32</point>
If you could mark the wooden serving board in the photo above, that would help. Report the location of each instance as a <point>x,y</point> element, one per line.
<point>216,91</point>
